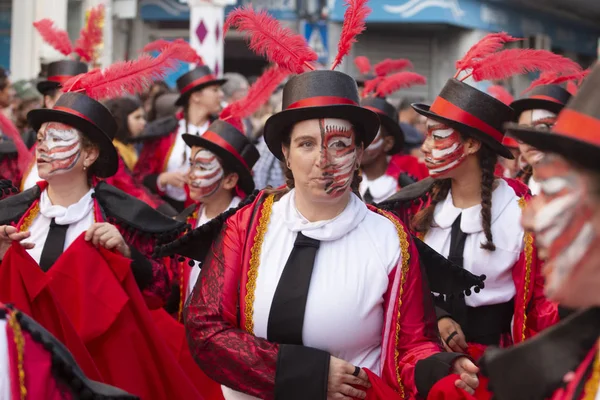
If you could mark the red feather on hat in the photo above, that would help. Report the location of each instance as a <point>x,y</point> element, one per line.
<point>186,54</point>
<point>267,37</point>
<point>488,45</point>
<point>500,93</point>
<point>125,77</point>
<point>91,35</point>
<point>55,37</point>
<point>399,80</point>
<point>354,25</point>
<point>388,66</point>
<point>507,63</point>
<point>362,64</point>
<point>556,78</point>
<point>258,94</point>
<point>10,130</point>
<point>371,85</point>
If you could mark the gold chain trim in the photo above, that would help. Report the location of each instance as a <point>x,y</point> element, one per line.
<point>28,219</point>
<point>191,220</point>
<point>261,229</point>
<point>405,264</point>
<point>528,239</point>
<point>20,344</point>
<point>591,386</point>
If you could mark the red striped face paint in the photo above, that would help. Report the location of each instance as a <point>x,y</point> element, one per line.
<point>58,149</point>
<point>447,149</point>
<point>337,157</point>
<point>206,174</point>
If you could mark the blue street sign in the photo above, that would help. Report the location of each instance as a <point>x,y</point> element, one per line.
<point>316,36</point>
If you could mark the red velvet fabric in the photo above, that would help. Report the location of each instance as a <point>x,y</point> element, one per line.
<point>380,390</point>
<point>9,169</point>
<point>410,164</point>
<point>445,389</point>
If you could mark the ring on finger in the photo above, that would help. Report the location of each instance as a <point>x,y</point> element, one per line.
<point>450,337</point>
<point>356,371</point>
<point>5,233</point>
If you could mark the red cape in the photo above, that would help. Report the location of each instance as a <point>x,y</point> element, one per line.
<point>94,292</point>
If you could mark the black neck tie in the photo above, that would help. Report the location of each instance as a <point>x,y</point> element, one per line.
<point>286,318</point>
<point>54,245</point>
<point>458,239</point>
<point>368,197</point>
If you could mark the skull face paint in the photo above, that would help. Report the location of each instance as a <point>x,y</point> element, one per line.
<point>206,174</point>
<point>59,148</point>
<point>560,216</point>
<point>337,158</point>
<point>447,150</point>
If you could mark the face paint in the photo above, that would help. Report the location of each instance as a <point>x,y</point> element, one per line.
<point>374,150</point>
<point>541,120</point>
<point>447,151</point>
<point>560,216</point>
<point>59,147</point>
<point>337,155</point>
<point>206,173</point>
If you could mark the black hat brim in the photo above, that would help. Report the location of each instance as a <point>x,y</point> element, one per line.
<point>279,125</point>
<point>46,86</point>
<point>523,105</point>
<point>575,150</point>
<point>183,99</point>
<point>393,128</point>
<point>245,182</point>
<point>107,163</point>
<point>497,147</point>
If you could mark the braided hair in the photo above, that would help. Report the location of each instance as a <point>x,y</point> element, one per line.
<point>423,219</point>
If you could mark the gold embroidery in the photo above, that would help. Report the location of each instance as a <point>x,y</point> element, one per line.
<point>191,220</point>
<point>591,386</point>
<point>20,344</point>
<point>261,229</point>
<point>28,219</point>
<point>405,264</point>
<point>528,239</point>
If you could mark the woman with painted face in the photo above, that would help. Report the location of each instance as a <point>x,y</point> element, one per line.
<point>163,163</point>
<point>76,251</point>
<point>564,361</point>
<point>468,215</point>
<point>288,304</point>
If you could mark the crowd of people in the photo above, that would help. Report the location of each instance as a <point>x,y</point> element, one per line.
<point>299,235</point>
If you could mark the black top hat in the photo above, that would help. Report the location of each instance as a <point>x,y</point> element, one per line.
<point>231,146</point>
<point>363,78</point>
<point>545,97</point>
<point>319,94</point>
<point>575,135</point>
<point>198,78</point>
<point>92,119</point>
<point>388,116</point>
<point>59,72</point>
<point>472,112</point>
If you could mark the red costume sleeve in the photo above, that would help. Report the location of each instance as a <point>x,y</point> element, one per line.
<point>227,354</point>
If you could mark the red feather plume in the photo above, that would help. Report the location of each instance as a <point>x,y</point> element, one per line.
<point>486,46</point>
<point>572,88</point>
<point>507,63</point>
<point>186,53</point>
<point>399,80</point>
<point>258,94</point>
<point>267,37</point>
<point>55,37</point>
<point>126,77</point>
<point>500,93</point>
<point>91,35</point>
<point>362,64</point>
<point>354,25</point>
<point>388,66</point>
<point>556,78</point>
<point>371,85</point>
<point>10,130</point>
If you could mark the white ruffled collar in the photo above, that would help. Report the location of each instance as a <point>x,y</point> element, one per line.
<point>66,215</point>
<point>328,230</point>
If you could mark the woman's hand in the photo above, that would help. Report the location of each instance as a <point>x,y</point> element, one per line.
<point>341,382</point>
<point>107,236</point>
<point>176,179</point>
<point>9,234</point>
<point>452,335</point>
<point>468,374</point>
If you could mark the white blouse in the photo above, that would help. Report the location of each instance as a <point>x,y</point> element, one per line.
<point>358,250</point>
<point>507,236</point>
<point>79,217</point>
<point>381,188</point>
<point>179,157</point>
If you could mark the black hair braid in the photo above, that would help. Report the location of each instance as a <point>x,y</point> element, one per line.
<point>487,162</point>
<point>423,219</point>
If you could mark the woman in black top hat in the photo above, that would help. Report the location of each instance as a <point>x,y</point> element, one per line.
<point>253,324</point>
<point>163,162</point>
<point>564,361</point>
